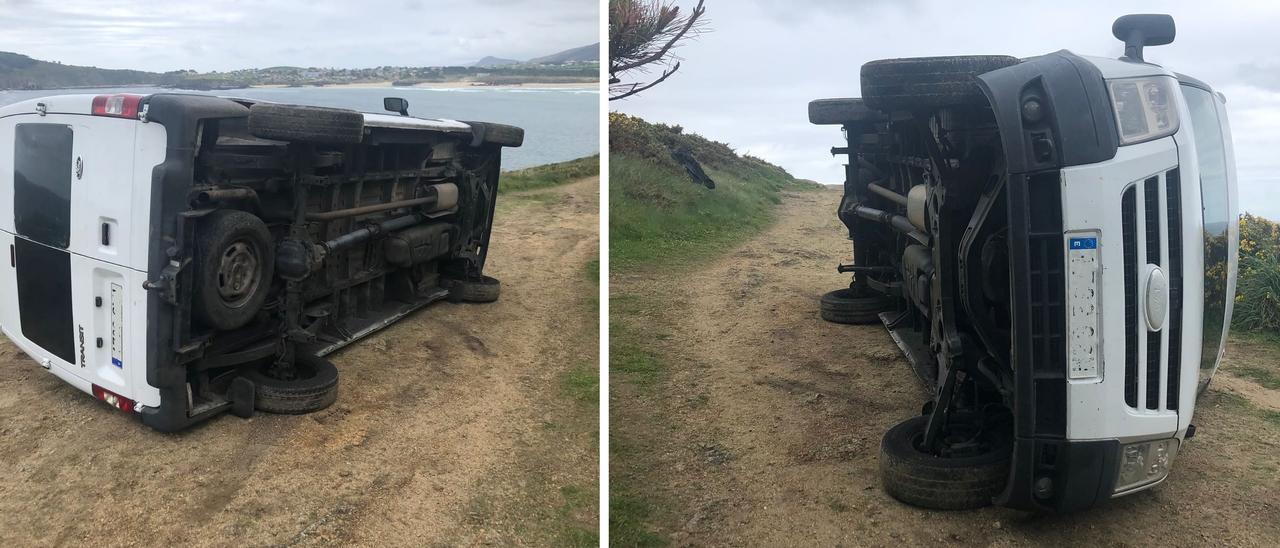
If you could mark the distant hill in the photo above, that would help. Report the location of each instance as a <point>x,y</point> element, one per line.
<point>490,62</point>
<point>18,71</point>
<point>583,54</point>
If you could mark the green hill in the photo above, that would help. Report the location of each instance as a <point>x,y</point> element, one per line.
<point>583,54</point>
<point>658,215</point>
<point>21,72</point>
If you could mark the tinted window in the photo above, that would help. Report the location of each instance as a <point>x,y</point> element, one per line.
<point>42,167</point>
<point>1211,152</point>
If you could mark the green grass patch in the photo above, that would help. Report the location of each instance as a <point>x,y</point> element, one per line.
<point>1272,417</point>
<point>630,514</point>
<point>549,175</point>
<point>1257,337</point>
<point>657,216</point>
<point>569,534</point>
<point>581,383</point>
<point>1267,377</point>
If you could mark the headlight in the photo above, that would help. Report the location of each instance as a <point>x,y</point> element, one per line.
<point>1144,108</point>
<point>1145,462</point>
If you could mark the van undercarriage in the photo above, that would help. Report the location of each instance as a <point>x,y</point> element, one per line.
<point>287,245</point>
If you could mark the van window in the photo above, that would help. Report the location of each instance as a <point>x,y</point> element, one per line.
<point>1211,152</point>
<point>42,171</point>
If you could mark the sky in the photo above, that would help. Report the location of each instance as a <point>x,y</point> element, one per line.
<point>207,35</point>
<point>748,80</point>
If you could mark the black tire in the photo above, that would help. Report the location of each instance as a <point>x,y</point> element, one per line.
<point>305,123</point>
<point>928,481</point>
<point>315,388</point>
<point>483,289</point>
<point>841,111</point>
<point>927,82</point>
<point>846,307</point>
<point>234,263</point>
<point>496,134</point>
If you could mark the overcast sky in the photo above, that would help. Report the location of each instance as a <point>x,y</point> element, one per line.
<point>162,35</point>
<point>748,82</point>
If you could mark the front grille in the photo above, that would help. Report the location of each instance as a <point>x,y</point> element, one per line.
<point>1160,244</point>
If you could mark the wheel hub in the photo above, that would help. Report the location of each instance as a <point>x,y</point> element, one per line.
<point>238,276</point>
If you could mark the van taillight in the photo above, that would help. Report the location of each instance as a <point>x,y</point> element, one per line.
<point>115,400</point>
<point>123,105</point>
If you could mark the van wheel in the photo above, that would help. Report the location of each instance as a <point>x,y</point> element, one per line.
<point>927,82</point>
<point>848,307</point>
<point>305,123</point>
<point>234,263</point>
<point>962,482</point>
<point>496,134</point>
<point>483,289</point>
<point>841,111</point>
<point>314,386</point>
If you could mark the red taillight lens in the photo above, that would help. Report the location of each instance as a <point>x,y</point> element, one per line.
<point>113,399</point>
<point>124,105</point>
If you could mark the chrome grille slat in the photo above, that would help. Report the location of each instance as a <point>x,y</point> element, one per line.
<point>1151,229</point>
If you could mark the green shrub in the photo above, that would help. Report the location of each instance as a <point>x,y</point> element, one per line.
<point>1257,306</point>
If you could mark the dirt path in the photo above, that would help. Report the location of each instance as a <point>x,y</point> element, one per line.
<point>766,428</point>
<point>456,426</point>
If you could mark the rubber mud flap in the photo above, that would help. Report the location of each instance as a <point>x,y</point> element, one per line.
<point>484,289</point>
<point>918,83</point>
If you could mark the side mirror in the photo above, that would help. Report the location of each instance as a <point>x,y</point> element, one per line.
<point>1138,30</point>
<point>396,104</point>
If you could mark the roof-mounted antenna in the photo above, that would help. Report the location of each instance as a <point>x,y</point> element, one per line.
<point>1143,29</point>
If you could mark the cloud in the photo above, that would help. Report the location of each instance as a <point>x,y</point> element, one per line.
<point>748,80</point>
<point>229,34</point>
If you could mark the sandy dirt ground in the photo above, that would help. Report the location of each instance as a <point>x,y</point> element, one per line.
<point>452,427</point>
<point>765,430</point>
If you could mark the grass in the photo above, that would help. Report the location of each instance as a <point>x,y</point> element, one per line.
<point>660,222</point>
<point>549,175</point>
<point>629,514</point>
<point>570,534</point>
<point>1267,377</point>
<point>581,383</point>
<point>658,217</point>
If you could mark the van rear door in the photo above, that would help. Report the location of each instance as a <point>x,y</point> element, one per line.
<point>70,254</point>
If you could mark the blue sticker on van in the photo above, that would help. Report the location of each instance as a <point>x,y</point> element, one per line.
<point>117,363</point>
<point>1084,243</point>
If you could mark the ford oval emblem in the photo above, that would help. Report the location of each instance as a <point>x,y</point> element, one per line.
<point>1157,298</point>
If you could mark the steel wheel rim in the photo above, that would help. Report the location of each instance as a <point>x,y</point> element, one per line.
<point>238,277</point>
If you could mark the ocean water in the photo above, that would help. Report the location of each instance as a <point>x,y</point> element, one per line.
<point>559,124</point>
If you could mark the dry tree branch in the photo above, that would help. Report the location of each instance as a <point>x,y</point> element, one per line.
<point>643,33</point>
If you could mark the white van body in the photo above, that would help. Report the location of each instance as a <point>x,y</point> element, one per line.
<point>98,253</point>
